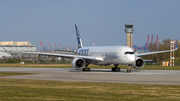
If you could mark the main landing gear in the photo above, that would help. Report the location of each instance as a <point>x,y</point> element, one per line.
<point>129,69</point>
<point>116,68</point>
<point>85,68</point>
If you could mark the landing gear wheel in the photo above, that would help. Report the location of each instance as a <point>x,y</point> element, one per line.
<point>86,69</point>
<point>115,69</point>
<point>128,70</point>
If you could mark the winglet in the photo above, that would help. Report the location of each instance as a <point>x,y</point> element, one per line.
<point>80,45</point>
<point>176,46</point>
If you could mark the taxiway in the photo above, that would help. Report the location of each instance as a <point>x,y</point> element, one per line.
<point>163,77</point>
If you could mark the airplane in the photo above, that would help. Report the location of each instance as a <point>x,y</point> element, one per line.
<point>103,55</point>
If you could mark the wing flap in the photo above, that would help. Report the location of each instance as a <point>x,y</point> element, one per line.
<point>94,58</point>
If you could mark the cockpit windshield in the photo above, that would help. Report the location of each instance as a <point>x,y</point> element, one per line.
<point>129,53</point>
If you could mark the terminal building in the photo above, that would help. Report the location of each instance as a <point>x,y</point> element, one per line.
<point>15,46</point>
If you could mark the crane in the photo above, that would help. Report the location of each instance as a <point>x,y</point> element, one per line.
<point>61,46</point>
<point>151,42</point>
<point>151,39</point>
<point>67,48</point>
<point>49,46</point>
<point>70,47</point>
<point>41,46</point>
<point>156,40</point>
<point>55,45</point>
<point>147,42</point>
<point>159,41</point>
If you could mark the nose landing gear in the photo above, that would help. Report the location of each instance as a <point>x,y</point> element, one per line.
<point>129,69</point>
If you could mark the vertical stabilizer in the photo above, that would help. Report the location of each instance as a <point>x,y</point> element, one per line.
<point>80,45</point>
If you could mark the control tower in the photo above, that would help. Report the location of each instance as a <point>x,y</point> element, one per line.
<point>129,34</point>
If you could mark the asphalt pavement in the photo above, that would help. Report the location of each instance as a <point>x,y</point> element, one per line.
<point>163,77</point>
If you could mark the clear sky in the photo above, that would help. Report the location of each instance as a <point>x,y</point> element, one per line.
<point>102,20</point>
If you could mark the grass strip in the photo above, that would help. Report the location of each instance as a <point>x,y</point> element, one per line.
<point>39,90</point>
<point>148,67</point>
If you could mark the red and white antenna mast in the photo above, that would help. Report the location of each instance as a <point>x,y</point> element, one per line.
<point>172,53</point>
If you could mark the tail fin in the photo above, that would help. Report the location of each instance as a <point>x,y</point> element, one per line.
<point>80,45</point>
<point>176,46</point>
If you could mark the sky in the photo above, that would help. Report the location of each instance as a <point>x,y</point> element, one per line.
<point>102,20</point>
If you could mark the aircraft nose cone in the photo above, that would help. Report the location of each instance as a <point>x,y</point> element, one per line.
<point>131,59</point>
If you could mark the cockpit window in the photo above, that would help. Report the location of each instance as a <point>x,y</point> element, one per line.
<point>129,53</point>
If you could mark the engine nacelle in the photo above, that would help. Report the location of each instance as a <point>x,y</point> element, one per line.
<point>78,63</point>
<point>139,63</point>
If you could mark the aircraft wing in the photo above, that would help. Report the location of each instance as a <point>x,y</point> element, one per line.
<point>92,58</point>
<point>148,53</point>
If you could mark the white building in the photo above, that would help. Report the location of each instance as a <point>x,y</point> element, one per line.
<point>15,46</point>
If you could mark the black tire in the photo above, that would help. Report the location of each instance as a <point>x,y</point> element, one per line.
<point>86,69</point>
<point>117,69</point>
<point>128,70</point>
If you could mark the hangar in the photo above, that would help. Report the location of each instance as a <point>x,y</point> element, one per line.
<point>15,46</point>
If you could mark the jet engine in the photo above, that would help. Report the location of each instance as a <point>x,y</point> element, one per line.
<point>78,63</point>
<point>139,63</point>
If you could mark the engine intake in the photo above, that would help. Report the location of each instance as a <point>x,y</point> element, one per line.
<point>78,63</point>
<point>139,63</point>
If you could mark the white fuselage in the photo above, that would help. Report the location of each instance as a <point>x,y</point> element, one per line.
<point>110,54</point>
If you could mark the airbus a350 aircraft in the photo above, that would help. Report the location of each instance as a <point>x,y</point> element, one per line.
<point>103,55</point>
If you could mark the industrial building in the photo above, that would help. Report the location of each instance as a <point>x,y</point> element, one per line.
<point>8,50</point>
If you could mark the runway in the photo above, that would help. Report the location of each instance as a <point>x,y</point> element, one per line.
<point>163,77</point>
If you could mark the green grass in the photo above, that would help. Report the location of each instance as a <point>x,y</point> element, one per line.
<point>41,90</point>
<point>37,90</point>
<point>148,67</point>
<point>37,65</point>
<point>155,67</point>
